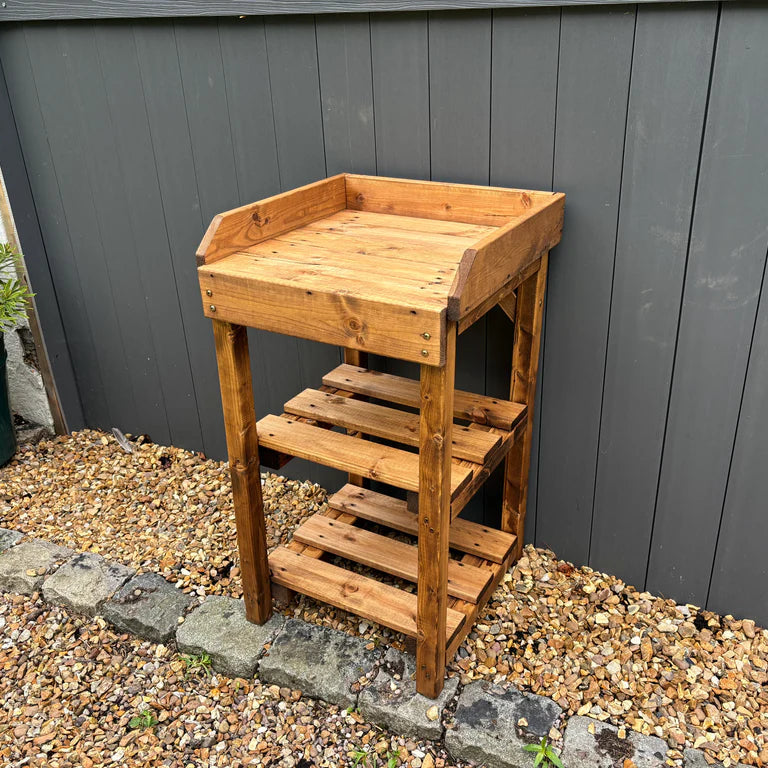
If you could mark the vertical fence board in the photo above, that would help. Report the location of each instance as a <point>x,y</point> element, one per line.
<point>399,49</point>
<point>520,157</point>
<point>20,177</point>
<point>65,132</point>
<point>673,50</point>
<point>595,56</point>
<point>460,112</point>
<point>727,255</point>
<point>156,49</point>
<point>740,571</point>
<point>346,88</point>
<point>143,213</point>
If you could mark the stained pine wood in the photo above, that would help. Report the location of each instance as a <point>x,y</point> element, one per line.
<point>525,362</point>
<point>397,389</point>
<point>371,599</point>
<point>350,454</point>
<point>388,423</point>
<point>435,481</point>
<point>240,227</point>
<point>464,536</point>
<point>388,555</point>
<point>243,450</point>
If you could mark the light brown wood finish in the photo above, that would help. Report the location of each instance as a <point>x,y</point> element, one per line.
<point>387,555</point>
<point>435,470</point>
<point>392,607</point>
<point>468,203</point>
<point>496,259</point>
<point>525,363</point>
<point>389,423</point>
<point>243,450</point>
<point>317,310</point>
<point>396,389</point>
<point>234,230</point>
<point>356,357</point>
<point>350,454</point>
<point>464,535</point>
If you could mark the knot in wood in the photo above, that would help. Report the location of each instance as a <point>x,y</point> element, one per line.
<point>438,439</point>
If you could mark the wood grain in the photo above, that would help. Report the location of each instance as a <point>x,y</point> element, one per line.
<point>386,554</point>
<point>243,449</point>
<point>435,473</point>
<point>382,603</point>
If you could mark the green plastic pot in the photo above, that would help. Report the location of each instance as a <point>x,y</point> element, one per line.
<point>7,432</point>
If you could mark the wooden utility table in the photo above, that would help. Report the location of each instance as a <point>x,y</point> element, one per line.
<point>398,268</point>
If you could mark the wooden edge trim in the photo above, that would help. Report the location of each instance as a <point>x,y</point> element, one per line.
<point>484,249</point>
<point>215,243</point>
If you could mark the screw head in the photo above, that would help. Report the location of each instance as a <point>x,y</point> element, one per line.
<point>424,353</point>
<point>212,307</point>
<point>426,336</point>
<point>209,292</point>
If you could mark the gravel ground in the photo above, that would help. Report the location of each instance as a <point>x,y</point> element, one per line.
<point>592,643</point>
<point>71,687</point>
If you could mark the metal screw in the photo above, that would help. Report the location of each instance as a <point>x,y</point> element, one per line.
<point>426,336</point>
<point>209,292</point>
<point>424,353</point>
<point>212,308</point>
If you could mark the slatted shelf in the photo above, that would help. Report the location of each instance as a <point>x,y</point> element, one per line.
<point>349,453</point>
<point>465,536</point>
<point>388,423</point>
<point>480,409</point>
<point>388,555</point>
<point>371,599</point>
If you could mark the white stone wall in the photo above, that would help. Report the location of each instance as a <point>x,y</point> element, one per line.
<point>25,384</point>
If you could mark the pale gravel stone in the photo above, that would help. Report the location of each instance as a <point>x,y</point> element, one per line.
<point>8,538</point>
<point>148,606</point>
<point>323,663</point>
<point>486,726</point>
<point>85,583</point>
<point>24,566</point>
<point>392,701</point>
<point>219,628</point>
<point>694,758</point>
<point>604,748</point>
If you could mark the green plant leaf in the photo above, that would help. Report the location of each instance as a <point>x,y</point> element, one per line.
<point>539,758</point>
<point>553,758</point>
<point>532,747</point>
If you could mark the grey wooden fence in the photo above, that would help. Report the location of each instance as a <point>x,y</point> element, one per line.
<point>651,453</point>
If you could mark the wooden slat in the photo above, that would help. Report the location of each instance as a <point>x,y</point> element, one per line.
<point>387,555</point>
<point>349,454</point>
<point>468,203</point>
<point>352,592</point>
<point>235,230</point>
<point>464,536</point>
<point>387,423</point>
<point>396,389</point>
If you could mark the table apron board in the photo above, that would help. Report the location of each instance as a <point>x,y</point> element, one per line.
<point>413,333</point>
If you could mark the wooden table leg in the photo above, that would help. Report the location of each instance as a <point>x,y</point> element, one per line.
<point>360,359</point>
<point>436,422</point>
<point>525,364</point>
<point>243,449</point>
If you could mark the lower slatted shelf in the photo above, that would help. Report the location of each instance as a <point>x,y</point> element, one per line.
<point>299,566</point>
<point>352,592</point>
<point>388,555</point>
